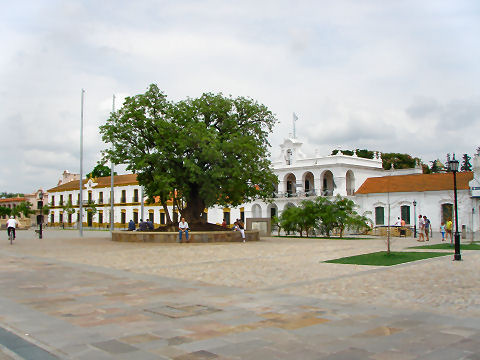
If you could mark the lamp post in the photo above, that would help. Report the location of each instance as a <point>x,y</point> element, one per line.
<point>453,167</point>
<point>40,217</point>
<point>414,219</point>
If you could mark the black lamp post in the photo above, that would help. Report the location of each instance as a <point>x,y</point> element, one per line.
<point>40,217</point>
<point>414,219</point>
<point>453,167</point>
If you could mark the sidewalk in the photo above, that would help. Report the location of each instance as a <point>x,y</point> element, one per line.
<point>86,299</point>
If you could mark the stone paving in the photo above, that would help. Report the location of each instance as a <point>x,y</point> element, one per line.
<point>91,298</point>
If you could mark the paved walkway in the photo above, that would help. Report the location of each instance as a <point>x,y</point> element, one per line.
<point>90,298</point>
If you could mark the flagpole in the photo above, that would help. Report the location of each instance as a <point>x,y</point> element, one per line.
<point>294,120</point>
<point>112,198</point>
<point>80,210</point>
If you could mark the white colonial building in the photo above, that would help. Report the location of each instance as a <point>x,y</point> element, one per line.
<point>404,193</point>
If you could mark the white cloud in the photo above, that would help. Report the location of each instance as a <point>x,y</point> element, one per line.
<point>389,76</point>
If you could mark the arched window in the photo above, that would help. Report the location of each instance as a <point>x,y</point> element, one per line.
<point>256,211</point>
<point>308,184</point>
<point>327,183</point>
<point>290,183</point>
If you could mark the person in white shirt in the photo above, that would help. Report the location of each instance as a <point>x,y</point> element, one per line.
<point>182,228</point>
<point>240,227</point>
<point>11,225</point>
<point>398,222</point>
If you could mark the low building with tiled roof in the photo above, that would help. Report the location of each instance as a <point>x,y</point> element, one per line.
<point>409,196</point>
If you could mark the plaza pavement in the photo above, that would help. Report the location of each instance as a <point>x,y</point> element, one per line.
<point>90,298</point>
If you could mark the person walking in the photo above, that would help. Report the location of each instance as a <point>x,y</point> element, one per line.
<point>442,230</point>
<point>421,228</point>
<point>427,227</point>
<point>448,227</point>
<point>182,228</point>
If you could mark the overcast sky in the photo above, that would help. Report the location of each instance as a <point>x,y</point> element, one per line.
<point>393,76</point>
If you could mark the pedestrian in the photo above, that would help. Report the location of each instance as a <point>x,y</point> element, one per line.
<point>421,229</point>
<point>142,226</point>
<point>224,223</point>
<point>150,225</point>
<point>442,230</point>
<point>131,225</point>
<point>427,227</point>
<point>182,228</point>
<point>240,227</point>
<point>448,227</point>
<point>398,222</point>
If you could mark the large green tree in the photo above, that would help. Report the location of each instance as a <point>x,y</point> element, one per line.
<point>200,152</point>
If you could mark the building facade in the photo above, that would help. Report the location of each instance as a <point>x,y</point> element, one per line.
<point>382,195</point>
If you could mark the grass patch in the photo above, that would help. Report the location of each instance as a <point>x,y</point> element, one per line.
<point>382,258</point>
<point>323,237</point>
<point>447,246</point>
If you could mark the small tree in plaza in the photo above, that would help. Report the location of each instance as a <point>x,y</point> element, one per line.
<point>201,152</point>
<point>68,208</point>
<point>325,214</point>
<point>289,219</point>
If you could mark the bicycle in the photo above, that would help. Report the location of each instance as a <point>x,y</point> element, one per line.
<point>10,235</point>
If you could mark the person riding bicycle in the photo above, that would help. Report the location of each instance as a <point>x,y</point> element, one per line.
<point>11,224</point>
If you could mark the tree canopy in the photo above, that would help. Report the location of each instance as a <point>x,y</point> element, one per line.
<point>200,152</point>
<point>100,170</point>
<point>323,214</point>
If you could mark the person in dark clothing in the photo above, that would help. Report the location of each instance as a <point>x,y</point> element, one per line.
<point>142,226</point>
<point>131,226</point>
<point>149,225</point>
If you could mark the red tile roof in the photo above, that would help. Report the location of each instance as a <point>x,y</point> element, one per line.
<point>102,182</point>
<point>415,183</point>
<point>16,199</point>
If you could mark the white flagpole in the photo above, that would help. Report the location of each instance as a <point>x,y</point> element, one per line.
<point>112,213</point>
<point>80,210</point>
<point>295,118</point>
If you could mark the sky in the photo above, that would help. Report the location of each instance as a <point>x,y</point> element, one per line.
<point>391,76</point>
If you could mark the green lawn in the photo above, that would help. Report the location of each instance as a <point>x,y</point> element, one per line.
<point>324,237</point>
<point>447,246</point>
<point>382,258</point>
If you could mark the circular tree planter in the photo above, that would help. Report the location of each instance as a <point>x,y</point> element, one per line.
<point>194,236</point>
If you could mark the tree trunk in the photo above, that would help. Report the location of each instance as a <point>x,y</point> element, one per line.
<point>194,209</point>
<point>165,208</point>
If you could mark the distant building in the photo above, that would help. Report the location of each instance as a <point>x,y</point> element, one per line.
<point>376,191</point>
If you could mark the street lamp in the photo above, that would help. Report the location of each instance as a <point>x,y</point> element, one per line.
<point>414,219</point>
<point>40,217</point>
<point>453,167</point>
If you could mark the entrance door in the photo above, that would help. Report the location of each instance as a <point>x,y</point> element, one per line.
<point>447,212</point>
<point>89,219</point>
